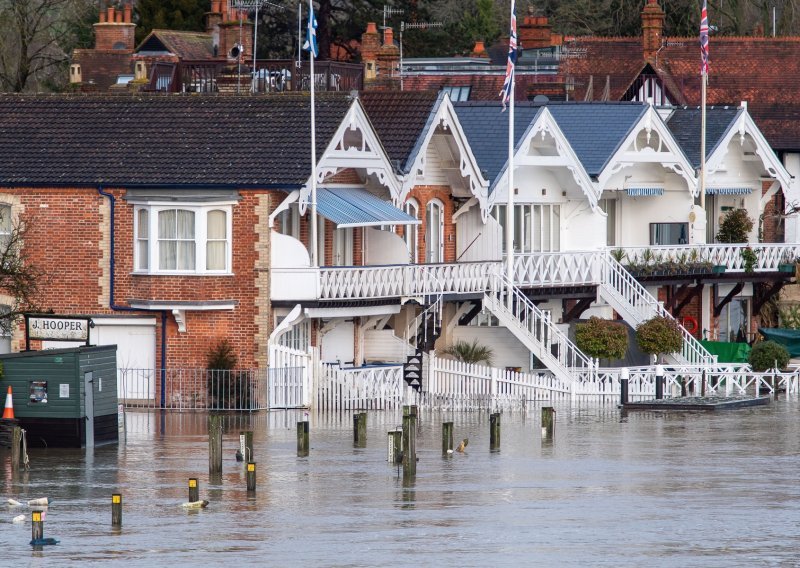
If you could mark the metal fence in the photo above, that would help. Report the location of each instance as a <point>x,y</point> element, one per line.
<point>204,389</point>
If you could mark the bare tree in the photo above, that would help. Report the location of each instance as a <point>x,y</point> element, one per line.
<point>36,40</point>
<point>20,278</point>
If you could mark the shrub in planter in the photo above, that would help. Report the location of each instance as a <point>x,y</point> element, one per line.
<point>659,335</point>
<point>227,387</point>
<point>602,339</point>
<point>470,352</point>
<point>735,227</point>
<point>764,355</point>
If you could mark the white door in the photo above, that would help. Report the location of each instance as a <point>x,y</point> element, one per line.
<point>135,339</point>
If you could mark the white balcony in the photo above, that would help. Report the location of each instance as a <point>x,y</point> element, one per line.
<point>769,255</point>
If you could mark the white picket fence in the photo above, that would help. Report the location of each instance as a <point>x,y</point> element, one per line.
<point>360,388</point>
<point>290,375</point>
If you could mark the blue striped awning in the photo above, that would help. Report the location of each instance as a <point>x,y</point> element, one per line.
<point>644,191</point>
<point>351,207</point>
<point>728,191</point>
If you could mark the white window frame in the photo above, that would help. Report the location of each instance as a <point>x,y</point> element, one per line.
<point>411,232</point>
<point>434,203</point>
<point>200,237</point>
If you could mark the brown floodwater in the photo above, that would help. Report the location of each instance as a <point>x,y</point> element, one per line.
<point>642,489</point>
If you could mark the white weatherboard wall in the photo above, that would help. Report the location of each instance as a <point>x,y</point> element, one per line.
<point>635,214</point>
<point>792,163</point>
<point>337,344</point>
<point>582,228</point>
<point>508,351</point>
<point>476,240</point>
<point>384,247</point>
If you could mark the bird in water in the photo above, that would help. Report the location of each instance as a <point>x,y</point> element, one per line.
<point>462,445</point>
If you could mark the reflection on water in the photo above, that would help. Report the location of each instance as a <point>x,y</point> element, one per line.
<point>645,488</point>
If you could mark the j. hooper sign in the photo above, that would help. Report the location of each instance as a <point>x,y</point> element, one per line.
<point>57,328</point>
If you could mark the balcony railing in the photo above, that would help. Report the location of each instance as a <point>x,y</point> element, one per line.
<point>769,255</point>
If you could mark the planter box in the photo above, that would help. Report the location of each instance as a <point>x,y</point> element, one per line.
<point>719,269</point>
<point>788,268</point>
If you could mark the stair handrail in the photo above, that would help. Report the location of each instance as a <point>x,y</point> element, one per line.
<point>435,308</point>
<point>615,276</point>
<point>569,355</point>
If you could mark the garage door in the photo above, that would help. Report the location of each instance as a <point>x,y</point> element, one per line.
<point>135,339</point>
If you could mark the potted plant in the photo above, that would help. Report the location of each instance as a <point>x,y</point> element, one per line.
<point>602,339</point>
<point>749,259</point>
<point>659,335</point>
<point>767,355</point>
<point>786,264</point>
<point>735,227</point>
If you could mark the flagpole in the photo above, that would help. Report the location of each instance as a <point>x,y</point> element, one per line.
<point>314,243</point>
<point>704,79</point>
<point>510,205</point>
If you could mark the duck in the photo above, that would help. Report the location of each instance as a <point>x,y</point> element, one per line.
<point>464,443</point>
<point>195,504</point>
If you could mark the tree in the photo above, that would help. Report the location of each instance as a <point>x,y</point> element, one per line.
<point>38,37</point>
<point>735,227</point>
<point>602,339</point>
<point>187,15</point>
<point>659,335</point>
<point>20,278</point>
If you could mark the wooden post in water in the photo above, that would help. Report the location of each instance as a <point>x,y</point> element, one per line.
<point>548,422</point>
<point>116,510</point>
<point>395,446</point>
<point>360,430</point>
<point>703,383</point>
<point>659,382</point>
<point>194,490</point>
<point>623,391</point>
<point>214,444</point>
<point>251,476</point>
<point>447,438</point>
<point>409,441</point>
<point>37,526</point>
<point>683,386</point>
<point>302,439</point>
<point>16,448</point>
<point>494,431</point>
<point>246,446</point>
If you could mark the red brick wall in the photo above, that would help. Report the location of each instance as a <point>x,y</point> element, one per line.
<point>67,237</point>
<point>772,228</point>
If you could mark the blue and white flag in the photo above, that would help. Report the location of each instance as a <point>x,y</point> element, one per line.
<point>506,93</point>
<point>311,33</point>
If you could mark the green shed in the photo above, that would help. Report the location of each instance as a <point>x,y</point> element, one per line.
<point>64,397</point>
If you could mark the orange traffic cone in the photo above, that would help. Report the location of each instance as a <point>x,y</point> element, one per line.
<point>8,411</point>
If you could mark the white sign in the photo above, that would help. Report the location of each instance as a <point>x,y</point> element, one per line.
<point>58,328</point>
<point>63,390</point>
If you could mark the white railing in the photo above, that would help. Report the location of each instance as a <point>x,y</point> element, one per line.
<point>413,280</point>
<point>557,268</point>
<point>360,388</point>
<point>536,330</point>
<point>770,255</point>
<point>290,376</point>
<point>636,305</point>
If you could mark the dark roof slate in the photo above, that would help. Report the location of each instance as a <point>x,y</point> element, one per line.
<point>684,123</point>
<point>400,118</point>
<point>156,140</point>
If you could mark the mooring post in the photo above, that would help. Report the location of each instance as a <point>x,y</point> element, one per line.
<point>548,422</point>
<point>395,450</point>
<point>409,441</point>
<point>116,510</point>
<point>360,430</point>
<point>494,431</point>
<point>251,476</point>
<point>302,439</point>
<point>246,446</point>
<point>624,380</point>
<point>214,444</point>
<point>683,386</point>
<point>703,383</point>
<point>194,490</point>
<point>447,438</point>
<point>37,526</point>
<point>659,382</point>
<point>16,448</point>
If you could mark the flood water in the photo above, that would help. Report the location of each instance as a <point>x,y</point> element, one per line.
<point>642,489</point>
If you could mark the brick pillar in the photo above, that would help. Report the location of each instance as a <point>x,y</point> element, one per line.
<point>652,28</point>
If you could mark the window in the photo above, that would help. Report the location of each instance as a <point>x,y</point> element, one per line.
<point>669,233</point>
<point>484,318</point>
<point>537,227</point>
<point>411,232</point>
<point>183,240</point>
<point>733,321</point>
<point>6,227</point>
<point>457,94</point>
<point>297,337</point>
<point>434,232</point>
<point>610,207</point>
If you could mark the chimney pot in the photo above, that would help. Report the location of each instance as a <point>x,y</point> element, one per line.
<point>372,28</point>
<point>111,14</point>
<point>388,36</point>
<point>127,18</point>
<point>102,17</point>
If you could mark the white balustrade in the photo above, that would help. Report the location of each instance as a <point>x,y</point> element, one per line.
<point>557,268</point>
<point>770,255</point>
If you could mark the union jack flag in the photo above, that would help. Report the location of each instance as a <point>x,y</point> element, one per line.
<point>506,93</point>
<point>704,40</point>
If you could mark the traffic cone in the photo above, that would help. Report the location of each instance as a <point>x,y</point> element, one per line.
<point>8,411</point>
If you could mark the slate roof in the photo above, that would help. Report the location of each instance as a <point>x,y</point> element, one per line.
<point>186,45</point>
<point>684,123</point>
<point>594,130</point>
<point>401,119</point>
<point>157,140</point>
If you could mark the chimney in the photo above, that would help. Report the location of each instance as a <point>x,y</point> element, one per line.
<point>214,17</point>
<point>479,50</point>
<point>535,31</point>
<point>370,46</point>
<point>652,28</point>
<point>229,36</point>
<point>389,61</point>
<point>115,30</point>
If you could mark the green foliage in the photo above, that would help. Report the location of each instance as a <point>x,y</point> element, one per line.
<point>750,259</point>
<point>221,356</point>
<point>470,352</point>
<point>659,335</point>
<point>602,339</point>
<point>188,15</point>
<point>227,388</point>
<point>735,227</point>
<point>766,354</point>
<point>790,317</point>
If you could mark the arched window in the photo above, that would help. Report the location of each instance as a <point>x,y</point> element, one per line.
<point>412,231</point>
<point>434,231</point>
